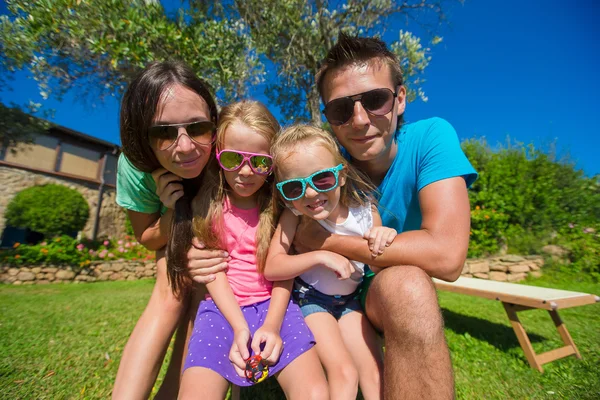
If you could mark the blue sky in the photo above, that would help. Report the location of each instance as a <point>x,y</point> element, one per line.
<point>524,69</point>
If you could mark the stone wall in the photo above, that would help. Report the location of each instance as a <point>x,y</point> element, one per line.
<point>111,271</point>
<point>509,268</point>
<point>112,217</point>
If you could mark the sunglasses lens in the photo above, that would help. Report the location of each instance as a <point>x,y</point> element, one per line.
<point>292,190</point>
<point>230,160</point>
<point>162,137</point>
<point>261,164</point>
<point>324,180</point>
<point>378,101</point>
<point>339,111</point>
<point>201,131</point>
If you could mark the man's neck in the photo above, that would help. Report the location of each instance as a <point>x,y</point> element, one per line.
<point>377,168</point>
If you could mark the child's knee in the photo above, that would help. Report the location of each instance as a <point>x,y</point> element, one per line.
<point>346,375</point>
<point>318,391</point>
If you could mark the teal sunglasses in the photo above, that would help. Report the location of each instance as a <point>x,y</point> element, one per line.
<point>321,181</point>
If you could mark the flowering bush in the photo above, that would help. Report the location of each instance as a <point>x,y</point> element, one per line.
<point>487,231</point>
<point>69,251</point>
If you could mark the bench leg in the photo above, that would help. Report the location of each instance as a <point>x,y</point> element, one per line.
<point>564,333</point>
<point>522,337</point>
<point>536,361</point>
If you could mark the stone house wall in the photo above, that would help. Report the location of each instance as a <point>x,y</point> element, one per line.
<point>111,219</point>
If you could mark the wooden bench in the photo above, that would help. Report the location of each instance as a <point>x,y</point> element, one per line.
<point>515,298</point>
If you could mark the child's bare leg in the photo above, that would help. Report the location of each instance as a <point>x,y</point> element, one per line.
<point>364,346</point>
<point>170,386</point>
<point>303,378</point>
<point>146,347</point>
<point>339,366</point>
<point>202,383</point>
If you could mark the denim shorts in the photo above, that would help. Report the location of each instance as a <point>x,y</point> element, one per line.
<point>312,301</point>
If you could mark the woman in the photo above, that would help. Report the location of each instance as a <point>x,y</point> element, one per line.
<point>168,119</point>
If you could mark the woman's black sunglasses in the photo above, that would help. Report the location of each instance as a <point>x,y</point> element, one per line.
<point>164,136</point>
<point>376,102</point>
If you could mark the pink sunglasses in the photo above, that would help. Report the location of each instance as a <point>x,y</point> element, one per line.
<point>232,160</point>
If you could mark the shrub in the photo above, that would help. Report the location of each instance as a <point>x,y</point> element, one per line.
<point>65,250</point>
<point>535,195</point>
<point>487,229</point>
<point>52,210</point>
<point>583,243</point>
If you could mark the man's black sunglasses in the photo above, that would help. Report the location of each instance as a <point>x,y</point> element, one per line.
<point>376,102</point>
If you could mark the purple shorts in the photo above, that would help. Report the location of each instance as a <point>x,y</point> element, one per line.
<point>212,338</point>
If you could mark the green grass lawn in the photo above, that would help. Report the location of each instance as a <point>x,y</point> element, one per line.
<point>64,341</point>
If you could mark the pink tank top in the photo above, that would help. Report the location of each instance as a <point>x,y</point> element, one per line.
<point>239,236</point>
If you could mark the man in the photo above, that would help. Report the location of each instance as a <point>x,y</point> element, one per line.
<point>422,176</point>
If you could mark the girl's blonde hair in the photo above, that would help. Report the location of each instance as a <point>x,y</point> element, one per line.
<point>358,190</point>
<point>208,204</point>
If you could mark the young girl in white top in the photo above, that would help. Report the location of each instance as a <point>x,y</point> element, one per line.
<point>315,181</point>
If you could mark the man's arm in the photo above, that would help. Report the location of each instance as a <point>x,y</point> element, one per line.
<point>439,247</point>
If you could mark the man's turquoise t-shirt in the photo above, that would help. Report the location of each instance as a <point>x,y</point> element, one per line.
<point>428,151</point>
<point>136,190</point>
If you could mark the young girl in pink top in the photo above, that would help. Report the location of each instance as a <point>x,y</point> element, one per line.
<point>245,314</point>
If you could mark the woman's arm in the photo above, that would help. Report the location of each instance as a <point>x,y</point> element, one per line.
<point>281,266</point>
<point>150,229</point>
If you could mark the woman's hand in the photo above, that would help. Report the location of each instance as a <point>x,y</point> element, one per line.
<point>238,354</point>
<point>273,345</point>
<point>203,264</point>
<point>168,187</point>
<point>379,238</point>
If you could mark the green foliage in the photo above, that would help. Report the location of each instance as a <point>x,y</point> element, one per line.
<point>295,35</point>
<point>49,209</point>
<point>583,244</point>
<point>537,196</point>
<point>487,227</point>
<point>17,126</point>
<point>66,250</point>
<point>96,47</point>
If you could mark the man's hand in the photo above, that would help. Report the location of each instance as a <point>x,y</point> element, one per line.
<point>273,343</point>
<point>309,236</point>
<point>203,264</point>
<point>168,187</point>
<point>379,238</point>
<point>238,354</point>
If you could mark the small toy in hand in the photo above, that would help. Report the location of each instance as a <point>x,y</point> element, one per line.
<point>257,369</point>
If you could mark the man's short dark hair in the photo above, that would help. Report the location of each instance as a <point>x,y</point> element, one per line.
<point>352,50</point>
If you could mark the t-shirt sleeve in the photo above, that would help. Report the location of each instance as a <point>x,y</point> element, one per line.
<point>441,156</point>
<point>136,190</point>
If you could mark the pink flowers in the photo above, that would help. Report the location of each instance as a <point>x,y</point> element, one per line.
<point>81,246</point>
<point>106,243</point>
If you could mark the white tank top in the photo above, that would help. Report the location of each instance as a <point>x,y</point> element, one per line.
<point>360,220</point>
